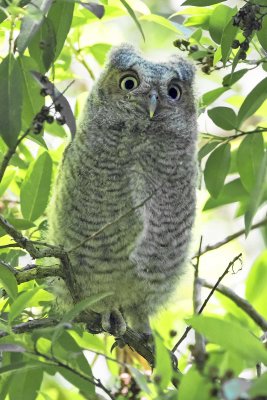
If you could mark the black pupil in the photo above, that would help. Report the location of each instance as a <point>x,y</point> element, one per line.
<point>129,84</point>
<point>173,92</point>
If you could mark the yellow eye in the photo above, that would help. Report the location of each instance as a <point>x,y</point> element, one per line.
<point>129,83</point>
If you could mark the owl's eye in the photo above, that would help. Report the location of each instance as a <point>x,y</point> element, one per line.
<point>129,83</point>
<point>175,92</point>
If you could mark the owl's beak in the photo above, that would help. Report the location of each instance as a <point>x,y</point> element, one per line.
<point>153,102</point>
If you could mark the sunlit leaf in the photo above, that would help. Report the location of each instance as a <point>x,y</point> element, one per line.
<point>259,386</point>
<point>163,368</point>
<point>158,19</point>
<point>21,303</point>
<point>194,386</point>
<point>256,284</point>
<point>6,180</point>
<point>220,17</point>
<point>232,337</point>
<point>36,187</point>
<point>249,157</point>
<point>8,282</point>
<point>216,169</point>
<point>132,14</point>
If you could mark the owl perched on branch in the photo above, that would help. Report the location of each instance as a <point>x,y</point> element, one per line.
<point>131,168</point>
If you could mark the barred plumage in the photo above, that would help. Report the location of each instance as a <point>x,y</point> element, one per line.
<point>133,144</point>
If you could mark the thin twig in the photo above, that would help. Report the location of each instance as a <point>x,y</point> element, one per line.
<point>239,301</point>
<point>230,238</point>
<point>199,348</point>
<point>188,329</point>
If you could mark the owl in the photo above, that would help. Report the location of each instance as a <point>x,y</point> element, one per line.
<point>130,168</point>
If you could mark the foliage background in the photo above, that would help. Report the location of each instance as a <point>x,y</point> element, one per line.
<point>68,42</point>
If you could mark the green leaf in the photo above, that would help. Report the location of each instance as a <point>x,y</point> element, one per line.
<point>140,379</point>
<point>8,281</point>
<point>253,101</point>
<point>132,14</point>
<point>20,223</point>
<point>232,78</point>
<point>207,148</point>
<point>262,34</point>
<point>21,303</point>
<point>163,369</point>
<point>32,101</point>
<point>256,292</point>
<point>100,51</point>
<point>36,187</point>
<point>211,96</point>
<point>231,193</point>
<point>249,157</point>
<point>27,382</point>
<point>11,100</point>
<point>201,3</point>
<point>6,180</point>
<point>60,15</point>
<point>232,337</point>
<point>257,193</point>
<point>194,386</point>
<point>228,36</point>
<point>259,386</point>
<point>82,305</point>
<point>217,168</point>
<point>32,22</point>
<point>158,19</point>
<point>224,117</point>
<point>218,20</point>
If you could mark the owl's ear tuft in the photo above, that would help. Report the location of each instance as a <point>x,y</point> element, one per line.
<point>121,56</point>
<point>185,69</point>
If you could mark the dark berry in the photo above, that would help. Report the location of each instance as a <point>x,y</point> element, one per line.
<point>235,44</point>
<point>58,107</point>
<point>37,128</point>
<point>45,110</point>
<point>61,120</point>
<point>50,119</point>
<point>172,333</point>
<point>206,69</point>
<point>193,48</point>
<point>214,392</point>
<point>236,20</point>
<point>244,45</point>
<point>39,117</point>
<point>43,92</point>
<point>44,79</point>
<point>242,55</point>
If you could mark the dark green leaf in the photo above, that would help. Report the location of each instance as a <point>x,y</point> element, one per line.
<point>36,187</point>
<point>20,223</point>
<point>262,33</point>
<point>211,96</point>
<point>11,100</point>
<point>201,3</point>
<point>256,292</point>
<point>253,101</point>
<point>85,385</point>
<point>8,281</point>
<point>231,193</point>
<point>218,20</point>
<point>249,157</point>
<point>217,168</point>
<point>60,15</point>
<point>207,148</point>
<point>132,14</point>
<point>224,117</point>
<point>228,36</point>
<point>259,387</point>
<point>163,369</point>
<point>256,193</point>
<point>32,22</point>
<point>32,101</point>
<point>230,79</point>
<point>232,337</point>
<point>21,303</point>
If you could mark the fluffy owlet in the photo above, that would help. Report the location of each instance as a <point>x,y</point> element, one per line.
<point>135,146</point>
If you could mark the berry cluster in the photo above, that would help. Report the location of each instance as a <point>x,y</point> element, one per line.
<point>248,19</point>
<point>206,60</point>
<point>45,116</point>
<point>129,387</point>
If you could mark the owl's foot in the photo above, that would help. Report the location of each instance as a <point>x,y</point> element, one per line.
<point>113,322</point>
<point>93,321</point>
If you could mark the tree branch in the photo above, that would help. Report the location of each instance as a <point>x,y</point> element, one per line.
<point>239,301</point>
<point>188,329</point>
<point>230,238</point>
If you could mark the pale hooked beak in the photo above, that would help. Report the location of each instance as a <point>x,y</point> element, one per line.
<point>153,102</point>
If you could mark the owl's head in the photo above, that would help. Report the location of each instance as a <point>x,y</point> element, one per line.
<point>143,93</point>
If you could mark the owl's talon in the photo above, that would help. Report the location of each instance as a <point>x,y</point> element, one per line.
<point>114,323</point>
